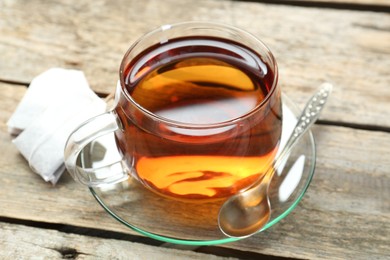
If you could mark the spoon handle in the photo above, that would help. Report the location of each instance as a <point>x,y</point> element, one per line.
<point>309,115</point>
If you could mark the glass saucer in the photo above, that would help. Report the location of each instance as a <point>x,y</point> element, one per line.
<point>196,223</point>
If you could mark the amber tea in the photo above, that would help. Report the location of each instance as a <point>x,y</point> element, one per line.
<point>210,120</point>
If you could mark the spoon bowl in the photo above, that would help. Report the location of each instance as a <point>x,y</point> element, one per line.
<point>236,220</point>
<point>247,212</point>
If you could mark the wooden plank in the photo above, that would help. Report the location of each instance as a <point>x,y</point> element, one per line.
<point>311,45</point>
<point>346,212</point>
<point>354,2</point>
<point>22,242</point>
<point>344,215</point>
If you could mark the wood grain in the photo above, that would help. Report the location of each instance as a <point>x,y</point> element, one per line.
<point>356,2</point>
<point>344,215</point>
<point>312,45</point>
<point>21,242</point>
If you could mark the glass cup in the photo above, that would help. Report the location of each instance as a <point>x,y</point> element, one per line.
<point>197,114</point>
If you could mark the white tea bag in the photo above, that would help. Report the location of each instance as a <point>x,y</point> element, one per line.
<point>59,101</point>
<point>48,88</point>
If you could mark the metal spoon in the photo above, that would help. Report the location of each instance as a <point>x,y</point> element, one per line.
<point>247,212</point>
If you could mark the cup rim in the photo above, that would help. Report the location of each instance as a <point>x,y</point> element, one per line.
<point>178,124</point>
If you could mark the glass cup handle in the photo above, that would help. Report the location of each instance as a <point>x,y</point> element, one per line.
<point>85,134</point>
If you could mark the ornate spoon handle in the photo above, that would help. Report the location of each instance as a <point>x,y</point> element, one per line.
<point>309,115</point>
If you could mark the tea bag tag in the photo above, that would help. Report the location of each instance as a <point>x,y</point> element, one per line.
<point>56,102</point>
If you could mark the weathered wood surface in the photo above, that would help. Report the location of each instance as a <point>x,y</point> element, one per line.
<point>22,242</point>
<point>350,48</point>
<point>346,211</point>
<point>344,215</point>
<point>355,2</point>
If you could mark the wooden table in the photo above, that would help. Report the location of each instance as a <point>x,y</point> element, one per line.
<point>346,212</point>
